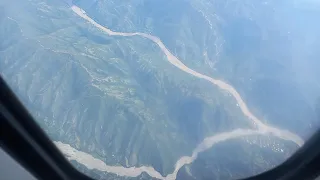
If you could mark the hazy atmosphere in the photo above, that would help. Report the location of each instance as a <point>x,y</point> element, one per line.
<point>202,89</point>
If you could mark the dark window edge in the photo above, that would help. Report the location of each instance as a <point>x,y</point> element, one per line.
<point>26,142</point>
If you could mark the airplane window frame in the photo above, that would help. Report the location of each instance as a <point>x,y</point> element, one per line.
<point>27,143</point>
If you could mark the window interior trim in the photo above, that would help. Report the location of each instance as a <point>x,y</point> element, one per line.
<point>27,143</point>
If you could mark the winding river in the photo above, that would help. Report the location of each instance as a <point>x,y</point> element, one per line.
<point>93,163</point>
<point>259,127</point>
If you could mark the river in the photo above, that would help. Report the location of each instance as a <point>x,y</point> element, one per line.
<point>258,126</point>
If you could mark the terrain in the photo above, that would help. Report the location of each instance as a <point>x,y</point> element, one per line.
<point>119,100</point>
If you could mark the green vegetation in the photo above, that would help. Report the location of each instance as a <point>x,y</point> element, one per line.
<point>115,97</point>
<point>119,99</point>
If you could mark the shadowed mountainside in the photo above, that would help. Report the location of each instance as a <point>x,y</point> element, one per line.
<point>119,99</point>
